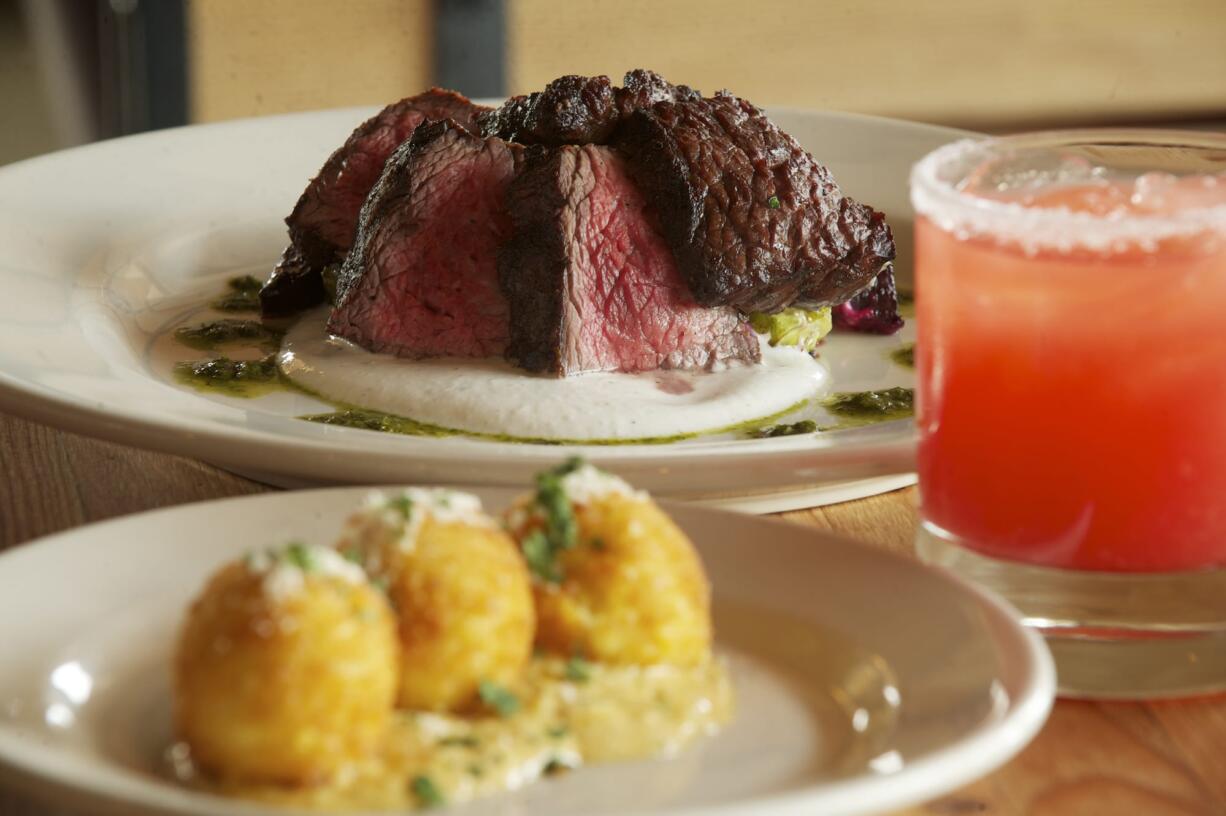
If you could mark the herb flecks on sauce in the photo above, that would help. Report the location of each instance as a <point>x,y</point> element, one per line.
<point>904,355</point>
<point>230,332</point>
<point>498,698</point>
<point>426,792</point>
<point>804,426</point>
<point>578,670</point>
<point>242,295</point>
<point>234,378</point>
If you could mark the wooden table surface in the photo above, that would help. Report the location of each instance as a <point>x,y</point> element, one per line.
<point>1119,759</point>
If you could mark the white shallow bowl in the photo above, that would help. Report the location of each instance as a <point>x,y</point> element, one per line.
<point>865,681</point>
<point>108,246</point>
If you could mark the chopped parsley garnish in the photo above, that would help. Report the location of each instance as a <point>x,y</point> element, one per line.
<point>298,555</point>
<point>402,505</point>
<point>597,543</point>
<point>787,429</point>
<point>773,202</point>
<point>475,770</point>
<point>578,670</point>
<point>561,530</point>
<point>540,557</point>
<point>460,741</point>
<point>555,766</point>
<point>497,697</point>
<point>352,554</point>
<point>557,732</point>
<point>426,791</point>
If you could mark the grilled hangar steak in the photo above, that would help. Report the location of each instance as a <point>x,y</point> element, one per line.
<point>324,221</point>
<point>590,283</point>
<point>633,234</point>
<point>421,279</point>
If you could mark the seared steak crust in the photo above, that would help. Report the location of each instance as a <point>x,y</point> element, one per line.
<point>754,221</point>
<point>577,109</point>
<point>589,281</point>
<point>642,89</point>
<point>324,221</point>
<point>571,110</point>
<point>421,278</point>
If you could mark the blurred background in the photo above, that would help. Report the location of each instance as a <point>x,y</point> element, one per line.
<point>74,71</point>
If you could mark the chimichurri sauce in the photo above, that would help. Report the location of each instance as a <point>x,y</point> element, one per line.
<point>234,378</point>
<point>804,426</point>
<point>904,355</point>
<point>242,295</point>
<point>230,332</point>
<point>376,421</point>
<point>867,407</point>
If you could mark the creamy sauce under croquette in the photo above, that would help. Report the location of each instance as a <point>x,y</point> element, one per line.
<point>559,715</point>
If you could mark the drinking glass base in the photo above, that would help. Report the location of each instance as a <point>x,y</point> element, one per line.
<point>1113,635</point>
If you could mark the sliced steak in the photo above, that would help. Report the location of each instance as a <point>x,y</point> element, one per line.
<point>577,109</point>
<point>590,282</point>
<point>753,220</point>
<point>324,221</point>
<point>421,279</point>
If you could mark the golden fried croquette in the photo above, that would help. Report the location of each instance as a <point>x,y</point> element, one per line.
<point>619,582</point>
<point>460,589</point>
<point>285,669</point>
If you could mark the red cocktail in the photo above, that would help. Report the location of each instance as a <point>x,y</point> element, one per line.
<point>1071,357</point>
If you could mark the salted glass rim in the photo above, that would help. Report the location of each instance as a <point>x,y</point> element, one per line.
<point>935,194</point>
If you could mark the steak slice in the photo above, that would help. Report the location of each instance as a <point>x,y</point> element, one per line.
<point>324,221</point>
<point>577,109</point>
<point>422,279</point>
<point>753,220</point>
<point>590,282</point>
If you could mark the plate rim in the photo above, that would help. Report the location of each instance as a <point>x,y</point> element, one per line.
<point>981,750</point>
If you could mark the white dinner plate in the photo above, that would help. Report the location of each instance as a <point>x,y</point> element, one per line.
<point>865,681</point>
<point>108,246</point>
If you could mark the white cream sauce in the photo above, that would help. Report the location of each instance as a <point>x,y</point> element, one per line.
<point>494,397</point>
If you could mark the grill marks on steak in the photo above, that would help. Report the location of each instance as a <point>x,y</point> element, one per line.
<point>421,279</point>
<point>579,110</point>
<point>324,221</point>
<point>754,221</point>
<point>591,284</point>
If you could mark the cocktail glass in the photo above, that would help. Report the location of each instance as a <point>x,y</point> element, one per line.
<point>1071,400</point>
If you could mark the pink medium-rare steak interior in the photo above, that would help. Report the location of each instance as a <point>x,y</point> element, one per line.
<point>592,284</point>
<point>421,279</point>
<point>326,216</point>
<point>324,221</point>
